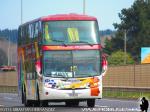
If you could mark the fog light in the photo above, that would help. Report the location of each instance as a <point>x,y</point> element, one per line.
<point>46,93</point>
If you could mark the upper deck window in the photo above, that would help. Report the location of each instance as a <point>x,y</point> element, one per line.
<point>71,32</point>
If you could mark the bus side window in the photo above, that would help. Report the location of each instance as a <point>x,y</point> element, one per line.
<point>36,30</point>
<point>19,36</point>
<point>33,70</point>
<point>22,37</point>
<point>27,35</point>
<point>31,31</point>
<point>39,32</point>
<point>30,69</point>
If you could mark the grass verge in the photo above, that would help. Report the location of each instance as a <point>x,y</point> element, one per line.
<point>8,89</point>
<point>125,94</point>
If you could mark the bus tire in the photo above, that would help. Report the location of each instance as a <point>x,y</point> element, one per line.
<point>22,96</point>
<point>27,103</point>
<point>91,102</point>
<point>37,101</point>
<point>67,103</point>
<point>44,103</point>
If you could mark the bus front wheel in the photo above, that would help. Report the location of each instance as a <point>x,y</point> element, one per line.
<point>22,96</point>
<point>44,103</point>
<point>27,103</point>
<point>37,101</point>
<point>91,102</point>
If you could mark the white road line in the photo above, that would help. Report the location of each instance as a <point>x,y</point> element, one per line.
<point>8,98</point>
<point>101,106</point>
<point>120,100</point>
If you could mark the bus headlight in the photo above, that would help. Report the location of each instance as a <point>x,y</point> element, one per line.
<point>50,85</point>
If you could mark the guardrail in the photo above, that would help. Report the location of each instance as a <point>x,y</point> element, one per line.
<point>8,89</point>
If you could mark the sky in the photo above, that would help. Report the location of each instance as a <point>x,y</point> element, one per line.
<point>106,11</point>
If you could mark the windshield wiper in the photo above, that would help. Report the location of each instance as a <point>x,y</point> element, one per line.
<point>59,41</point>
<point>48,75</point>
<point>85,75</point>
<point>85,42</point>
<point>59,76</point>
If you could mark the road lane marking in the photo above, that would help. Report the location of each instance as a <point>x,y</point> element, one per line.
<point>8,98</point>
<point>1,105</point>
<point>120,100</point>
<point>101,106</point>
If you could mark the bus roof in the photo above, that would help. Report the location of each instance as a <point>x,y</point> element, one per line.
<point>67,17</point>
<point>61,17</point>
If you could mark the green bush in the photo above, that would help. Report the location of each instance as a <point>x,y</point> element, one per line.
<point>117,58</point>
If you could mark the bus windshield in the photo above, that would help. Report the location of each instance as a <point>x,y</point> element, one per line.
<point>71,63</point>
<point>71,32</point>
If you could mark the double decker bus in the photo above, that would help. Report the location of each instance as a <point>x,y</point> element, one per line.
<point>60,59</point>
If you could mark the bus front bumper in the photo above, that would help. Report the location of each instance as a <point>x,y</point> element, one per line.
<point>55,94</point>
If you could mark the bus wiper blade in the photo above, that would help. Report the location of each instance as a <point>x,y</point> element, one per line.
<point>83,42</point>
<point>89,75</point>
<point>48,75</point>
<point>59,41</point>
<point>86,75</point>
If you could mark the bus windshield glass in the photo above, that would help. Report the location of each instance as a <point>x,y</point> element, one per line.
<point>71,63</point>
<point>71,32</point>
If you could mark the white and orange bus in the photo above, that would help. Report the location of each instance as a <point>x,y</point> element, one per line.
<point>60,59</point>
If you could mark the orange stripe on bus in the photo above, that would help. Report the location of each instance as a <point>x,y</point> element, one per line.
<point>77,47</point>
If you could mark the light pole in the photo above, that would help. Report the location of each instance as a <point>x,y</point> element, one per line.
<point>84,6</point>
<point>125,47</point>
<point>8,50</point>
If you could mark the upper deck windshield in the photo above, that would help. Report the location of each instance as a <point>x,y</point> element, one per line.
<point>71,32</point>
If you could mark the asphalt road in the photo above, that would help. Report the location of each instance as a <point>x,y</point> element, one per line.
<point>102,105</point>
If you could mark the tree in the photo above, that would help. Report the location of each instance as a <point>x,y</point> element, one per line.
<point>135,21</point>
<point>117,58</point>
<point>3,58</point>
<point>114,44</point>
<point>11,34</point>
<point>108,46</point>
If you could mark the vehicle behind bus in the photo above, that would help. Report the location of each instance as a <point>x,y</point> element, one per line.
<point>60,59</point>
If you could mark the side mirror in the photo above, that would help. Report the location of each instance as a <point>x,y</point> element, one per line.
<point>38,68</point>
<point>104,64</point>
